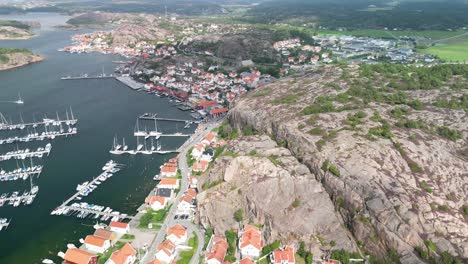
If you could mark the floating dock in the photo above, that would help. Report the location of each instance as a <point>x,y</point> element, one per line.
<point>32,137</point>
<point>147,152</point>
<point>153,116</point>
<point>85,77</point>
<point>20,174</point>
<point>23,154</point>
<point>85,211</point>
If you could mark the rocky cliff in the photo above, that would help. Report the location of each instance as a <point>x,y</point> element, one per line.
<point>398,175</point>
<point>273,190</point>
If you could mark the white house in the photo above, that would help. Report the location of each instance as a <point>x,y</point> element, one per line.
<point>250,242</point>
<point>166,251</point>
<point>185,204</point>
<point>177,234</point>
<point>193,181</point>
<point>156,202</point>
<point>96,244</point>
<point>197,151</point>
<point>119,227</point>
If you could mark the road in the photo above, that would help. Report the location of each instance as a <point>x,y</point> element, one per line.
<point>202,131</point>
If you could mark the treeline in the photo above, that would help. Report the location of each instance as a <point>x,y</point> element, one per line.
<point>352,14</point>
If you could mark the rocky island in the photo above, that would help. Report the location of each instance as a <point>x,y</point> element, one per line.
<point>13,58</point>
<point>12,29</point>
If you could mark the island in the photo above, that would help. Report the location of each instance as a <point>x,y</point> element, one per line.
<point>12,29</point>
<point>13,58</point>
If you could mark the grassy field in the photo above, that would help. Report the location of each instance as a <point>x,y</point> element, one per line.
<point>455,49</point>
<point>186,256</point>
<point>376,33</point>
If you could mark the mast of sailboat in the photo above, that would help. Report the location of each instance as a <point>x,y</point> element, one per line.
<point>71,113</point>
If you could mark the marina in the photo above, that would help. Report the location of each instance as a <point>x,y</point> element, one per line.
<point>83,210</point>
<point>44,135</point>
<point>87,77</point>
<point>21,173</point>
<point>26,153</point>
<point>118,149</point>
<point>130,82</point>
<point>16,198</point>
<point>70,121</point>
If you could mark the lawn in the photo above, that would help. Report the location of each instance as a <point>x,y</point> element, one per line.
<point>377,33</point>
<point>186,256</point>
<point>104,257</point>
<point>154,217</point>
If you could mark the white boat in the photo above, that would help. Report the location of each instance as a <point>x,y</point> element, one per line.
<point>47,261</point>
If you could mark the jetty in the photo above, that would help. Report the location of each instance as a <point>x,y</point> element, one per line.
<point>26,153</point>
<point>86,77</point>
<point>20,173</point>
<point>154,116</point>
<point>15,199</point>
<point>147,152</point>
<point>83,210</point>
<point>70,121</point>
<point>36,136</point>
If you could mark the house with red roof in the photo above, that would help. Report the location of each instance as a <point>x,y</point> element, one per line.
<point>200,166</point>
<point>177,234</point>
<point>247,261</point>
<point>283,256</point>
<point>119,227</point>
<point>156,202</point>
<point>96,244</point>
<point>79,256</point>
<point>185,204</point>
<point>125,255</point>
<point>166,251</point>
<point>168,171</point>
<point>250,241</point>
<point>169,183</point>
<point>216,250</point>
<point>209,139</point>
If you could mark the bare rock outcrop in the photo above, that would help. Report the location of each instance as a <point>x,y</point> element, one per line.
<point>273,190</point>
<point>393,193</point>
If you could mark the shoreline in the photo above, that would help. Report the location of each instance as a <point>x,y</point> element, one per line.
<point>19,38</point>
<point>37,60</point>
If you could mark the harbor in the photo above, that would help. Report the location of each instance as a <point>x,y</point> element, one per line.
<point>27,153</point>
<point>16,198</point>
<point>120,149</point>
<point>83,209</point>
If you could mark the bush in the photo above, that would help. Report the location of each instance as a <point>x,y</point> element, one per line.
<point>296,203</point>
<point>382,131</point>
<point>425,187</point>
<point>343,256</point>
<point>464,209</point>
<point>325,165</point>
<point>239,215</point>
<point>316,131</point>
<point>270,247</point>
<point>448,133</point>
<point>334,170</point>
<point>248,130</point>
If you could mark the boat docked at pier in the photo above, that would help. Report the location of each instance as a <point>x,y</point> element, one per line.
<point>26,153</point>
<point>4,223</point>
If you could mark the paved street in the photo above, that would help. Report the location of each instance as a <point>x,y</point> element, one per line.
<point>203,130</point>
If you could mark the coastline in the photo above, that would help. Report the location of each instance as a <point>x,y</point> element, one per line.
<point>19,38</point>
<point>35,59</point>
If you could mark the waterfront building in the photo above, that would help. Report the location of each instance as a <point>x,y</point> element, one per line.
<point>78,256</point>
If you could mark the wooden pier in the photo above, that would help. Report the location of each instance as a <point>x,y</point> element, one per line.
<point>88,77</point>
<point>23,154</point>
<point>96,212</point>
<point>147,152</point>
<point>22,126</point>
<point>24,175</point>
<point>36,137</point>
<point>153,116</point>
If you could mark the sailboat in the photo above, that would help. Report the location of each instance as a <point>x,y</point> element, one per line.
<point>146,151</point>
<point>139,146</point>
<point>152,146</point>
<point>155,133</point>
<point>137,132</point>
<point>19,101</point>
<point>158,147</point>
<point>115,147</point>
<point>124,146</point>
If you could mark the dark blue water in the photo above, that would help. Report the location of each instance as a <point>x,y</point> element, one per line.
<point>104,108</point>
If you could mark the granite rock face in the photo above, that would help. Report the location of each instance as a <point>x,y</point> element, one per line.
<point>384,199</point>
<point>273,190</point>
